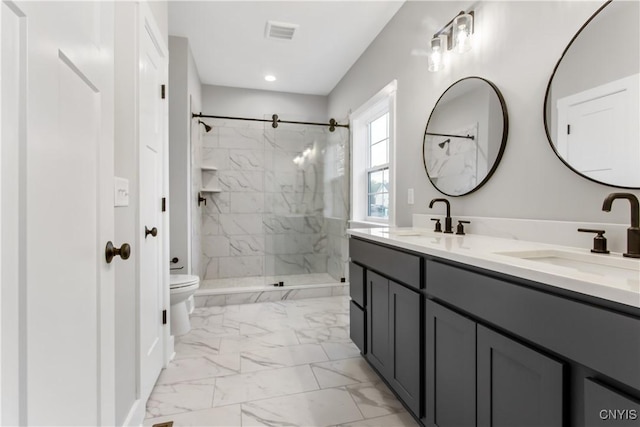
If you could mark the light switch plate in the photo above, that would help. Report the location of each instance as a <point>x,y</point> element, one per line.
<point>120,192</point>
<point>410,196</point>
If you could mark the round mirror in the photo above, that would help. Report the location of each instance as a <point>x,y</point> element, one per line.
<point>591,105</point>
<point>465,136</point>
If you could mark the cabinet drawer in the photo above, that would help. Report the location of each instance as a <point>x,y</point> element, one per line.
<point>400,266</point>
<point>357,326</point>
<point>356,284</point>
<point>578,331</point>
<point>604,406</point>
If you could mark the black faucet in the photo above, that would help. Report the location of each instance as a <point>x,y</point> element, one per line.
<point>633,232</point>
<point>448,228</point>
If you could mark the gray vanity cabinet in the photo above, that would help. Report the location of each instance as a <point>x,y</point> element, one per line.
<point>464,346</point>
<point>516,385</point>
<point>393,311</point>
<point>450,368</point>
<point>393,323</point>
<point>378,351</point>
<point>468,364</point>
<point>404,344</point>
<point>357,307</point>
<point>605,406</point>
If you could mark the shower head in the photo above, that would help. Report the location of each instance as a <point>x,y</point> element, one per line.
<point>207,128</point>
<point>443,143</point>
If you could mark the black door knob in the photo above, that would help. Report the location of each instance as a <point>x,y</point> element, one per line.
<point>153,232</point>
<point>111,251</point>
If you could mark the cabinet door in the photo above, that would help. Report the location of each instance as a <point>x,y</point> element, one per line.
<point>517,386</point>
<point>356,284</point>
<point>405,344</point>
<point>605,406</point>
<point>378,322</point>
<point>357,331</point>
<point>450,370</point>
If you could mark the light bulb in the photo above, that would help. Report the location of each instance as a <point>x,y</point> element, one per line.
<point>462,30</point>
<point>436,57</point>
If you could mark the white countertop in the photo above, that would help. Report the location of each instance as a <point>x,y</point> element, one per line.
<point>485,252</point>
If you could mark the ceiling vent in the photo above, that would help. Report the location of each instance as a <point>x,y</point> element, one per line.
<point>280,30</point>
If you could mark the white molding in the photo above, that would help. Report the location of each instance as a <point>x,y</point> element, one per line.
<point>136,414</point>
<point>384,100</point>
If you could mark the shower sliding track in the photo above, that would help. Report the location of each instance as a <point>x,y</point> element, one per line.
<point>333,124</point>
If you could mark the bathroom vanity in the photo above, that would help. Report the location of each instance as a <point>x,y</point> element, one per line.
<point>477,330</point>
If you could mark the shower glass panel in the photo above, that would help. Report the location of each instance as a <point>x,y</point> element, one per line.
<point>282,212</point>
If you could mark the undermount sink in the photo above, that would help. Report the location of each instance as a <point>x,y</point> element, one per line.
<point>601,265</point>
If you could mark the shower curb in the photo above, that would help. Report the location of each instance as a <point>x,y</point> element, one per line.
<point>232,296</point>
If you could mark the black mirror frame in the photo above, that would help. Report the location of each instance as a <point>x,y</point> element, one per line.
<point>546,100</point>
<point>503,143</point>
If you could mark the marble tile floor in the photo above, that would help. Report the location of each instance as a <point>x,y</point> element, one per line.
<point>285,363</point>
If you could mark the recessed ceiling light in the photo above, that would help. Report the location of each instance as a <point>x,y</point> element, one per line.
<point>270,78</point>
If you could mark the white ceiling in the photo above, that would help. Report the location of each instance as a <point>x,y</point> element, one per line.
<point>230,49</point>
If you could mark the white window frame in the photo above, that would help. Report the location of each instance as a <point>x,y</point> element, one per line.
<point>381,167</point>
<point>382,102</point>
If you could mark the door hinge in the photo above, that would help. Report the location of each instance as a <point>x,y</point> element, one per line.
<point>163,91</point>
<point>568,129</point>
<point>164,317</point>
<point>164,204</point>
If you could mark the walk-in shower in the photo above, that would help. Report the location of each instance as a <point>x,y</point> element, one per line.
<point>277,204</point>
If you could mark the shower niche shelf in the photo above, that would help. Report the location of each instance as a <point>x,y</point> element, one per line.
<point>210,190</point>
<point>209,179</point>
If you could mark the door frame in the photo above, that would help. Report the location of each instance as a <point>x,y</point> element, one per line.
<point>146,21</point>
<point>140,14</point>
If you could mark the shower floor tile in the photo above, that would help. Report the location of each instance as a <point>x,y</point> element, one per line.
<point>288,363</point>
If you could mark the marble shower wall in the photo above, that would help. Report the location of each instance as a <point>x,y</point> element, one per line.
<point>269,217</point>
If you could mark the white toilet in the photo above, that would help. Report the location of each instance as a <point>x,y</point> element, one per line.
<point>182,287</point>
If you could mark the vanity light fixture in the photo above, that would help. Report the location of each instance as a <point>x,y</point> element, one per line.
<point>436,57</point>
<point>270,78</point>
<point>462,31</point>
<point>456,35</point>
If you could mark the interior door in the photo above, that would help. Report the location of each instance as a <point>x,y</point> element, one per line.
<point>598,131</point>
<point>153,73</point>
<point>62,116</point>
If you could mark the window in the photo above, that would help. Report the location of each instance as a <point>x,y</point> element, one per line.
<point>378,167</point>
<point>372,168</point>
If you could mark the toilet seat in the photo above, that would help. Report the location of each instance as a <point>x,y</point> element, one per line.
<point>178,281</point>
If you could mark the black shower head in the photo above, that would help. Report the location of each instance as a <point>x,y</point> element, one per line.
<point>442,144</point>
<point>207,128</point>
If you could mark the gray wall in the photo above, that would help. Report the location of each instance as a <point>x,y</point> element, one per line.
<point>608,49</point>
<point>517,44</point>
<point>194,92</point>
<point>184,142</point>
<point>229,101</point>
<point>126,166</point>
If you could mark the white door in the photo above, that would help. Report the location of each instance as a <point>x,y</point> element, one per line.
<point>63,75</point>
<point>152,125</point>
<point>598,131</point>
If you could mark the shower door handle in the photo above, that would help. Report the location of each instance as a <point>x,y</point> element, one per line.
<point>153,232</point>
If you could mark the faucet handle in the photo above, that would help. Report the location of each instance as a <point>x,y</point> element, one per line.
<point>438,228</point>
<point>599,242</point>
<point>460,227</point>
